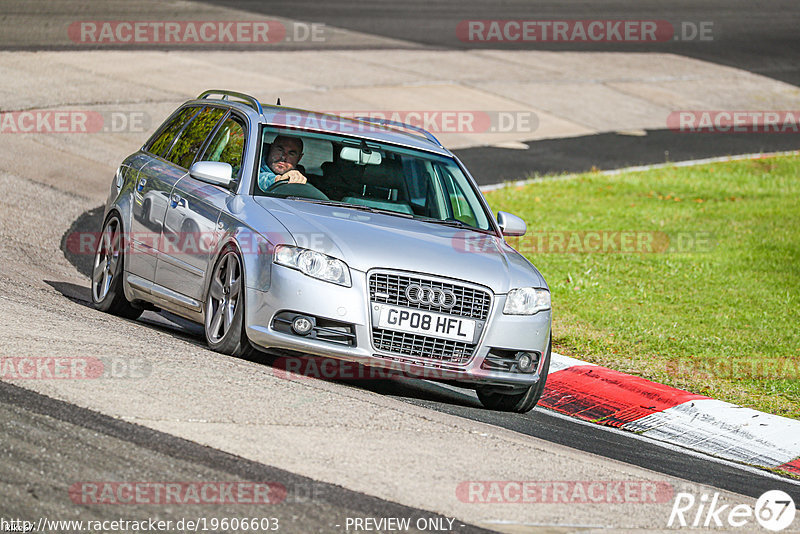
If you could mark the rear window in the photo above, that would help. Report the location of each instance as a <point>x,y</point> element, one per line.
<point>193,136</point>
<point>163,142</point>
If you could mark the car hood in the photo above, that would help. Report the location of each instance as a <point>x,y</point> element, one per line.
<point>366,240</point>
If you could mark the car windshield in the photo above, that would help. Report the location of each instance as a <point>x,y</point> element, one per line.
<point>371,176</point>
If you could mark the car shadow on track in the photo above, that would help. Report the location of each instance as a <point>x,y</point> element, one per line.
<point>162,321</point>
<point>88,224</point>
<point>423,390</point>
<point>384,382</point>
<point>74,292</point>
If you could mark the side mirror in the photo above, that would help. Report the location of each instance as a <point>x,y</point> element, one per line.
<point>511,225</point>
<point>212,172</point>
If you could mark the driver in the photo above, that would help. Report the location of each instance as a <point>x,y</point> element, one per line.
<point>281,163</point>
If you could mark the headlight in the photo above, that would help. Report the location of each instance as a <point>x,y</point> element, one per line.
<point>526,301</point>
<point>314,264</point>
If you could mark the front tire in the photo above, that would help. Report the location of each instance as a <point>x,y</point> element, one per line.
<point>224,310</point>
<point>517,402</point>
<point>109,260</point>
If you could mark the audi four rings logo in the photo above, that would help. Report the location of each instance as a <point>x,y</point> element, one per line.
<point>431,296</point>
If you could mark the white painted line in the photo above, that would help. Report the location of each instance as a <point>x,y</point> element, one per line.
<point>725,430</point>
<point>687,163</point>
<point>674,447</point>
<point>668,445</point>
<point>559,362</point>
<point>705,428</point>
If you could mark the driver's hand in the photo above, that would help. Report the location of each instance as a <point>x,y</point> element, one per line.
<point>294,177</point>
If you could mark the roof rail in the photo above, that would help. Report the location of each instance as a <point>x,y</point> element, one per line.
<point>250,100</point>
<point>383,122</point>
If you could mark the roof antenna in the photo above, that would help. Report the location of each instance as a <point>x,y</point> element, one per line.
<point>279,101</point>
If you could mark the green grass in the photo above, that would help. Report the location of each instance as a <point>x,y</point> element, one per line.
<point>718,318</point>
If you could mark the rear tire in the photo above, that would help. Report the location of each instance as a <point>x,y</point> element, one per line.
<point>108,294</point>
<point>224,309</point>
<point>517,402</point>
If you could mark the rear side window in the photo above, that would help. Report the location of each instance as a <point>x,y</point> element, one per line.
<point>191,139</point>
<point>161,145</point>
<point>228,144</point>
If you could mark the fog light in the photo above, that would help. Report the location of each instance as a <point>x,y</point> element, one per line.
<point>302,325</point>
<point>524,362</point>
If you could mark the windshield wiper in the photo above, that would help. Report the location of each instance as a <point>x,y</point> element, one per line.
<point>317,201</point>
<point>455,223</point>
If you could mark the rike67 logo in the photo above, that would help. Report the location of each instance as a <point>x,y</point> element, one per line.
<point>774,511</point>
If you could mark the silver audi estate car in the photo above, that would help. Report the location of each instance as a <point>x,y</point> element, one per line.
<point>379,250</point>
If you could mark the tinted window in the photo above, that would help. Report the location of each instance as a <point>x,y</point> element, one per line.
<point>459,206</point>
<point>190,141</point>
<point>228,144</point>
<point>388,178</point>
<point>315,152</point>
<point>161,145</point>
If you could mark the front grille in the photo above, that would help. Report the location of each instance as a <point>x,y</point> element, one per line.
<point>390,288</point>
<point>419,346</point>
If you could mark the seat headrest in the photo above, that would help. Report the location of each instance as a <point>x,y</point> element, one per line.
<point>388,174</point>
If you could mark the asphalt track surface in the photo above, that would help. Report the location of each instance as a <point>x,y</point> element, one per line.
<point>761,38</point>
<point>539,423</point>
<point>587,437</point>
<point>607,151</point>
<point>763,41</point>
<point>88,442</point>
<point>758,37</point>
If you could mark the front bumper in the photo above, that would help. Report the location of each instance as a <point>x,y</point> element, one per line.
<point>293,291</point>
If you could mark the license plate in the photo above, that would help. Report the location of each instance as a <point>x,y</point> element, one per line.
<point>426,323</point>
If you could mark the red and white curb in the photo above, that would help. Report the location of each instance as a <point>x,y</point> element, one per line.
<point>607,397</point>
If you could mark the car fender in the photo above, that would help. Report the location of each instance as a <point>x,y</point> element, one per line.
<point>255,250</point>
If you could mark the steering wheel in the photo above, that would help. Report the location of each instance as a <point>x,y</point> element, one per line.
<point>277,185</point>
<point>306,190</point>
